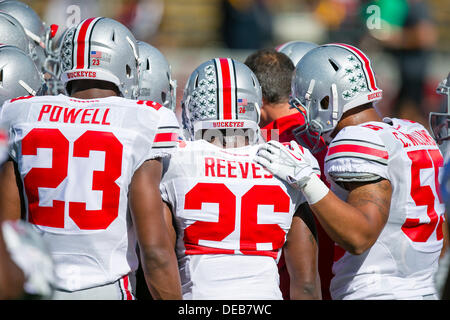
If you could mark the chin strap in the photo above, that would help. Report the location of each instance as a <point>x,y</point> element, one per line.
<point>335,115</point>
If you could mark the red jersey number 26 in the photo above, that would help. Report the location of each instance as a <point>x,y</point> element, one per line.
<point>53,216</point>
<point>251,233</point>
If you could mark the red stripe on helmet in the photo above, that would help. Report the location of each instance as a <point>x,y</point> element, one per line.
<point>226,88</point>
<point>81,42</point>
<point>282,46</point>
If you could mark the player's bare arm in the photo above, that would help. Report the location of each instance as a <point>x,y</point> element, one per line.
<point>158,258</point>
<point>356,224</point>
<point>446,236</point>
<point>168,218</point>
<point>301,255</point>
<point>12,278</point>
<point>10,201</point>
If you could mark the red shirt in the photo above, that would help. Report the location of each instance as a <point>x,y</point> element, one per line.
<point>285,126</point>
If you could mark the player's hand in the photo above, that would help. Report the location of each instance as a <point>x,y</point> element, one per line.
<point>289,164</point>
<point>30,253</point>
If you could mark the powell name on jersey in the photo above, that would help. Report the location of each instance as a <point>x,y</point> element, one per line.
<point>401,262</point>
<point>76,159</point>
<point>230,215</point>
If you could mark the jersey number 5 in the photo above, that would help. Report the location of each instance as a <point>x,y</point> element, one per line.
<point>104,181</point>
<point>414,228</point>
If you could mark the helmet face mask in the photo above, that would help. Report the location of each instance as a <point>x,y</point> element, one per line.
<point>439,125</point>
<point>101,49</point>
<point>328,81</point>
<point>439,121</point>
<point>309,134</point>
<point>222,94</point>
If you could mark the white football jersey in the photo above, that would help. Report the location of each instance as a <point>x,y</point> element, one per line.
<point>231,217</point>
<point>401,263</point>
<point>76,159</point>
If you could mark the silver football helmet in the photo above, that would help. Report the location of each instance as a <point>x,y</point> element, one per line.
<point>438,121</point>
<point>19,75</point>
<point>155,77</point>
<point>33,26</point>
<point>330,80</point>
<point>101,49</point>
<point>12,33</point>
<point>221,93</point>
<point>296,49</point>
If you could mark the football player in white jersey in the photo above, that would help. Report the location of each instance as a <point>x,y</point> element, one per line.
<point>231,217</point>
<point>385,213</point>
<point>89,179</point>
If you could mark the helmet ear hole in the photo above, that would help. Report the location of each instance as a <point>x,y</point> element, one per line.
<point>324,103</point>
<point>196,82</point>
<point>333,64</point>
<point>128,71</point>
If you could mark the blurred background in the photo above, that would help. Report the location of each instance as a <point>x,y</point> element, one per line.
<point>408,41</point>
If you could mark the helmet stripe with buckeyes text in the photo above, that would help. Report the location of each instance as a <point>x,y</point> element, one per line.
<point>81,43</point>
<point>367,68</point>
<point>226,83</point>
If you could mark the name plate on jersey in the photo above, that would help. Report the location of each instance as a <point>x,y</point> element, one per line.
<point>89,114</point>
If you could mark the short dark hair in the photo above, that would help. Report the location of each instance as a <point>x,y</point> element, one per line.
<point>274,71</point>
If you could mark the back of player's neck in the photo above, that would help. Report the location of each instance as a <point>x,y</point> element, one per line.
<point>363,116</point>
<point>93,93</point>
